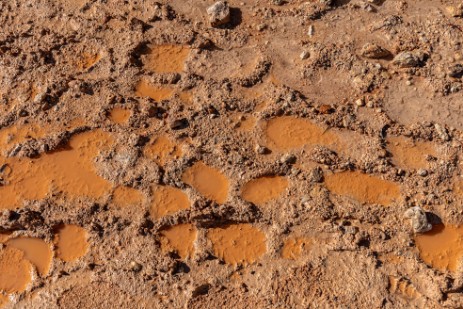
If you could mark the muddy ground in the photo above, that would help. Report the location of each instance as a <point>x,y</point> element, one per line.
<point>149,159</point>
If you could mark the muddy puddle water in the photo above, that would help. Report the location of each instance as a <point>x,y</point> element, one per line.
<point>208,181</point>
<point>71,242</point>
<point>168,200</point>
<point>442,247</point>
<point>127,197</point>
<point>294,247</point>
<point>155,92</point>
<point>179,239</point>
<point>70,171</point>
<point>261,190</point>
<point>410,155</point>
<point>238,243</point>
<point>15,271</point>
<point>166,58</point>
<point>119,115</point>
<point>363,188</point>
<point>162,150</point>
<point>289,132</point>
<point>35,250</point>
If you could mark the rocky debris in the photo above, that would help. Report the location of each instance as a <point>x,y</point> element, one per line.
<point>409,59</point>
<point>422,172</point>
<point>374,51</point>
<point>455,71</point>
<point>442,132</point>
<point>179,124</point>
<point>455,11</point>
<point>219,13</point>
<point>262,150</point>
<point>419,220</point>
<point>304,55</point>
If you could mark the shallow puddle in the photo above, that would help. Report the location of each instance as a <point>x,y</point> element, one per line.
<point>410,155</point>
<point>293,248</point>
<point>179,239</point>
<point>119,115</point>
<point>36,250</point>
<point>363,188</point>
<point>18,134</point>
<point>208,181</point>
<point>261,190</point>
<point>238,243</point>
<point>289,132</point>
<point>71,242</point>
<point>168,200</point>
<point>155,92</point>
<point>442,247</point>
<point>15,271</point>
<point>162,150</point>
<point>70,171</point>
<point>127,197</point>
<point>166,58</point>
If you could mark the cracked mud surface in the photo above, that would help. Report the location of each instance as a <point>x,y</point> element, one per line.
<point>150,160</point>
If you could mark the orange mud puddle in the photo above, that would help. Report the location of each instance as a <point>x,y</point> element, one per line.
<point>162,150</point>
<point>289,132</point>
<point>409,155</point>
<point>208,181</point>
<point>18,134</point>
<point>155,92</point>
<point>119,115</point>
<point>179,239</point>
<point>15,271</point>
<point>261,190</point>
<point>127,197</point>
<point>71,242</point>
<point>37,251</point>
<point>186,97</point>
<point>238,243</point>
<point>167,201</point>
<point>70,171</point>
<point>293,248</point>
<point>363,188</point>
<point>247,124</point>
<point>166,58</point>
<point>442,247</point>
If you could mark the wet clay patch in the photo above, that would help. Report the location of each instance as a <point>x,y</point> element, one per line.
<point>127,197</point>
<point>168,200</point>
<point>166,58</point>
<point>208,181</point>
<point>261,190</point>
<point>4,300</point>
<point>15,271</point>
<point>18,134</point>
<point>289,132</point>
<point>363,188</point>
<point>238,243</point>
<point>179,239</point>
<point>36,250</point>
<point>71,242</point>
<point>155,92</point>
<point>162,150</point>
<point>119,115</point>
<point>294,247</point>
<point>442,247</point>
<point>70,171</point>
<point>408,154</point>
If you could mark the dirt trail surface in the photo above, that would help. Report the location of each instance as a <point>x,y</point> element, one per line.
<point>248,154</point>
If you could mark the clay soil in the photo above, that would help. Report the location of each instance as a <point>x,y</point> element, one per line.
<point>150,160</point>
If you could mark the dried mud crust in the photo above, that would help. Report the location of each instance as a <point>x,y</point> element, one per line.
<point>264,163</point>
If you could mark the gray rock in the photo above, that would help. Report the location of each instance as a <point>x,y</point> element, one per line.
<point>219,13</point>
<point>407,60</point>
<point>374,51</point>
<point>455,71</point>
<point>419,220</point>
